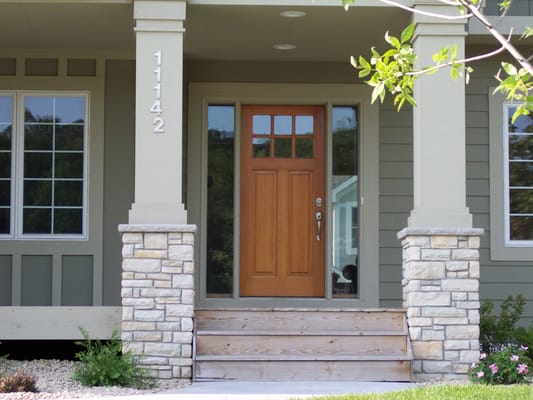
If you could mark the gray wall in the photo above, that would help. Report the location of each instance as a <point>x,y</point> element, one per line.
<point>118,168</point>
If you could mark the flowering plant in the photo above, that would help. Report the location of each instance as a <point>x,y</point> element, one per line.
<point>505,366</point>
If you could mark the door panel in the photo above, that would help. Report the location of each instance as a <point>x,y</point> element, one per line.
<point>282,175</point>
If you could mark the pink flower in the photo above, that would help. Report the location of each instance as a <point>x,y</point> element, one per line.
<point>514,357</point>
<point>494,368</point>
<point>480,374</point>
<point>522,347</point>
<point>522,369</point>
<point>482,356</point>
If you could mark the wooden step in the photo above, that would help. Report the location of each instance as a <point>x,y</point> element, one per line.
<point>304,320</point>
<point>392,371</point>
<point>300,344</point>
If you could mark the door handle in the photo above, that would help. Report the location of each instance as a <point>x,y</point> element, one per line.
<point>318,218</point>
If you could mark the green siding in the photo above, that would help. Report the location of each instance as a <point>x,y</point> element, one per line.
<point>498,278</point>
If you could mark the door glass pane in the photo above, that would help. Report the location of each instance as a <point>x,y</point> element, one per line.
<point>261,148</point>
<point>282,125</point>
<point>283,147</point>
<point>345,202</point>
<point>304,124</point>
<point>220,171</point>
<point>261,125</point>
<point>304,148</point>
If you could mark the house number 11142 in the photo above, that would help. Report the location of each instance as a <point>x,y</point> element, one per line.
<point>156,109</point>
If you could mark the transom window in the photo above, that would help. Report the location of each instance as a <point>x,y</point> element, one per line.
<point>43,164</point>
<point>518,159</point>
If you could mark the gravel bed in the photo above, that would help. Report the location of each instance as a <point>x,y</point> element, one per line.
<point>54,381</point>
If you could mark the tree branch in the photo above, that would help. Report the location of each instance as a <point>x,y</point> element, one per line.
<point>499,37</point>
<point>429,14</point>
<point>463,61</point>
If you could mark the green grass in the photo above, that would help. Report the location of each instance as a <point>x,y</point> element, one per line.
<point>438,392</point>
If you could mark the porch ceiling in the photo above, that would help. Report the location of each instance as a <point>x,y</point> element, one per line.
<point>213,32</point>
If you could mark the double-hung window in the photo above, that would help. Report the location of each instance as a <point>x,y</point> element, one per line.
<point>43,171</point>
<point>518,178</point>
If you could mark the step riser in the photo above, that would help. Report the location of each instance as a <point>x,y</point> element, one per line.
<point>394,371</point>
<point>301,345</point>
<point>297,320</point>
<point>304,344</point>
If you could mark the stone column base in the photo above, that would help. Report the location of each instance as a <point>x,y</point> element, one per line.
<point>158,296</point>
<point>441,296</point>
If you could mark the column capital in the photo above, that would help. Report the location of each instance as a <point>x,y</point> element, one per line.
<point>451,25</point>
<point>159,16</point>
<point>159,9</point>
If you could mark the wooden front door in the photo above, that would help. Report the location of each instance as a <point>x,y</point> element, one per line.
<point>282,200</point>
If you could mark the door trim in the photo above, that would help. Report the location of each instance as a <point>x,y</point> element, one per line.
<point>203,94</point>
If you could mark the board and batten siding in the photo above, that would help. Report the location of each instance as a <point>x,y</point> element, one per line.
<point>50,287</point>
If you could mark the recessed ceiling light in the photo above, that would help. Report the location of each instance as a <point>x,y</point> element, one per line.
<point>293,14</point>
<point>284,46</point>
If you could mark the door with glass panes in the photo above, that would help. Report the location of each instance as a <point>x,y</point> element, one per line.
<point>282,230</point>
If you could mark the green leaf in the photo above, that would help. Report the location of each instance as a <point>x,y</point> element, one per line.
<point>510,69</point>
<point>407,33</point>
<point>364,73</point>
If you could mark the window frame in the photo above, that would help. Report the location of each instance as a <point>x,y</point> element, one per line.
<point>506,181</point>
<point>501,247</point>
<point>17,166</point>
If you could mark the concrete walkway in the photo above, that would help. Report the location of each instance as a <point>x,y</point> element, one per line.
<point>269,390</point>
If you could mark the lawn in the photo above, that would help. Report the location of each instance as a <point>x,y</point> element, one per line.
<point>438,392</point>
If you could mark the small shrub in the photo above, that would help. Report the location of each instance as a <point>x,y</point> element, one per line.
<point>17,382</point>
<point>506,366</point>
<point>496,332</point>
<point>106,364</point>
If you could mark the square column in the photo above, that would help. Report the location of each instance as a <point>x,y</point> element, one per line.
<point>439,167</point>
<point>158,113</point>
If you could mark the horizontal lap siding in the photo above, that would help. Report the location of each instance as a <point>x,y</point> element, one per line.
<point>498,278</point>
<point>395,197</point>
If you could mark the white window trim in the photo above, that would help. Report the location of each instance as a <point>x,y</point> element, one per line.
<point>17,164</point>
<point>501,247</point>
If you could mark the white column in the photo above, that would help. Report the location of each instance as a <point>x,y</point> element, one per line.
<point>158,121</point>
<point>439,127</point>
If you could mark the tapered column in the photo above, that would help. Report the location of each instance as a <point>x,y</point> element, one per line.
<point>158,110</point>
<point>439,126</point>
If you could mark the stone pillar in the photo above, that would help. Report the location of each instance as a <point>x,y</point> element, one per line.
<point>158,112</point>
<point>439,167</point>
<point>441,297</point>
<point>158,296</point>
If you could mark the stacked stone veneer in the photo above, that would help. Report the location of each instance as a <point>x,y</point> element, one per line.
<point>158,296</point>
<point>441,297</point>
